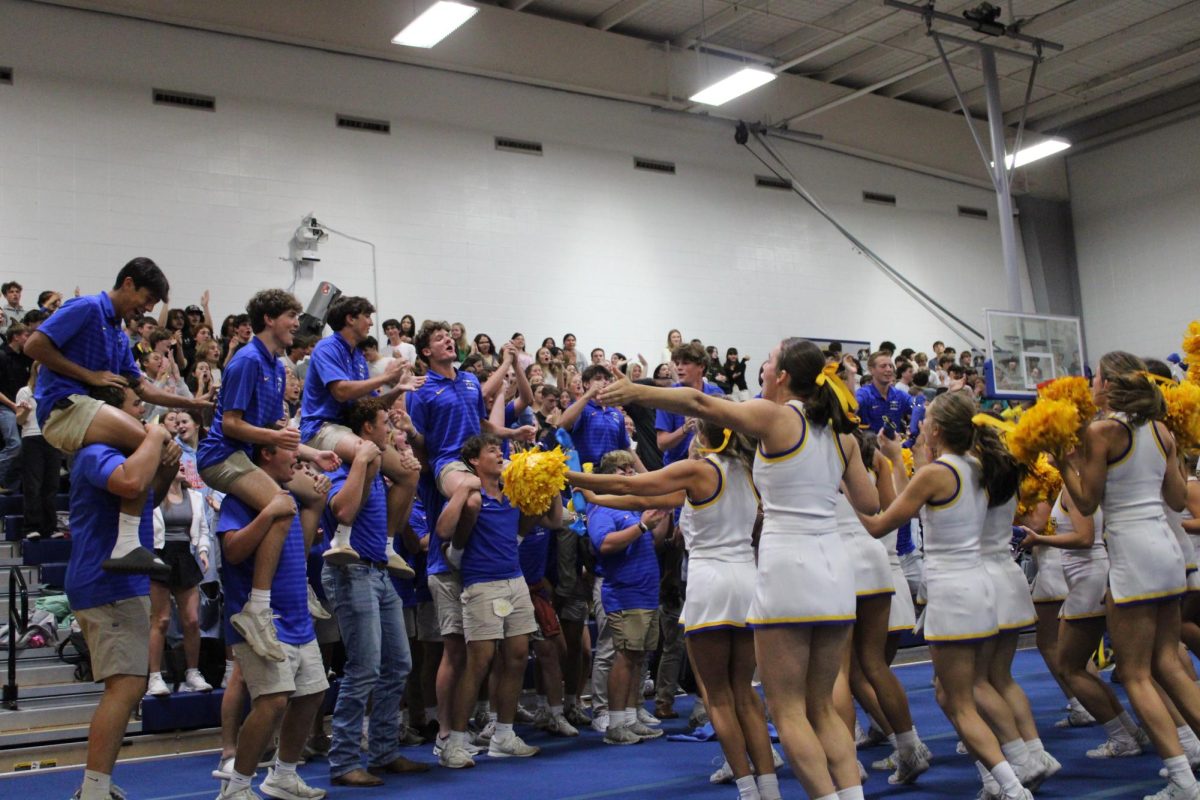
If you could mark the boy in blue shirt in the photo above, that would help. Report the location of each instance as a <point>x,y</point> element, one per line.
<point>595,429</point>
<point>113,609</point>
<point>675,431</point>
<point>81,347</point>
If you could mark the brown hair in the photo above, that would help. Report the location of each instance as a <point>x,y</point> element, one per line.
<point>1129,390</point>
<point>803,361</point>
<point>614,460</point>
<point>690,353</point>
<point>953,412</point>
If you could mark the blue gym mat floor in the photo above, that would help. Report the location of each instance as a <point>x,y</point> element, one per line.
<point>575,769</point>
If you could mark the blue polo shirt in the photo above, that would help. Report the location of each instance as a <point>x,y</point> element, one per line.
<point>631,575</point>
<point>599,430</point>
<point>368,534</point>
<point>94,513</point>
<point>873,407</point>
<point>289,589</point>
<point>432,501</point>
<point>670,421</point>
<point>447,413</point>
<point>333,359</point>
<point>534,553</point>
<point>252,384</point>
<point>491,552</point>
<point>420,525</point>
<point>85,330</point>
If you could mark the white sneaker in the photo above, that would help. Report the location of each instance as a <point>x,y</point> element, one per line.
<point>559,725</point>
<point>646,718</point>
<point>724,773</point>
<point>1076,718</point>
<point>644,731</point>
<point>908,769</point>
<point>524,716</point>
<point>960,748</point>
<point>1143,739</point>
<point>440,744</point>
<point>776,758</point>
<point>1051,765</point>
<point>244,794</point>
<point>289,787</point>
<point>1033,775</point>
<point>455,758</point>
<point>622,735</point>
<point>258,629</point>
<point>990,790</point>
<point>871,737</point>
<point>156,686</point>
<point>224,770</point>
<point>315,609</point>
<point>600,722</point>
<point>1116,748</point>
<point>886,764</point>
<point>1174,791</point>
<point>194,682</point>
<point>484,737</point>
<point>511,746</point>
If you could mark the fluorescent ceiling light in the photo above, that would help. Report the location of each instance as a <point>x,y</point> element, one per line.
<point>1035,152</point>
<point>439,21</point>
<point>735,85</point>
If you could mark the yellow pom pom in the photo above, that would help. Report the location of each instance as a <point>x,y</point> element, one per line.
<point>534,479</point>
<point>1049,426</point>
<point>1191,342</point>
<point>1074,390</point>
<point>1183,413</point>
<point>907,455</point>
<point>1041,482</point>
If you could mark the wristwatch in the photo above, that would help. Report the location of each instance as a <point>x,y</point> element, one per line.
<point>643,527</point>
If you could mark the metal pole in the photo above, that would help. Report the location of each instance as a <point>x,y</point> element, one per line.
<point>1008,233</point>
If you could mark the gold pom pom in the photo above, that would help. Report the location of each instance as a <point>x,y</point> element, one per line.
<point>1049,426</point>
<point>1074,390</point>
<point>534,479</point>
<point>1183,413</point>
<point>1041,482</point>
<point>907,455</point>
<point>1191,342</point>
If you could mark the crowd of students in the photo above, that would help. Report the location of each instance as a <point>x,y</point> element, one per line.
<point>347,489</point>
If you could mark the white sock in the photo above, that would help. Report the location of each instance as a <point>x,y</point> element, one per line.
<point>852,793</point>
<point>503,731</point>
<point>127,535</point>
<point>768,787</point>
<point>617,718</point>
<point>1179,772</point>
<point>1035,749</point>
<point>1017,754</point>
<point>457,738</point>
<point>259,599</point>
<point>237,783</point>
<point>1187,739</point>
<point>96,785</point>
<point>891,738</point>
<point>746,788</point>
<point>389,550</point>
<point>284,768</point>
<point>555,710</point>
<point>1006,777</point>
<point>1129,723</point>
<point>341,537</point>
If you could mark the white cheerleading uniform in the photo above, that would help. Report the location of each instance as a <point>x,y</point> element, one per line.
<point>1050,583</point>
<point>903,615</point>
<point>1014,606</point>
<point>1175,520</point>
<point>1187,515</point>
<point>1086,570</point>
<point>868,556</point>
<point>960,601</point>
<point>804,573</point>
<point>717,534</point>
<point>1146,563</point>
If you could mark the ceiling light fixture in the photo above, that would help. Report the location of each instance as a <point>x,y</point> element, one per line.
<point>735,85</point>
<point>1035,152</point>
<point>439,21</point>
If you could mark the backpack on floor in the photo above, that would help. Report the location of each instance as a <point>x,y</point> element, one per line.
<point>80,656</point>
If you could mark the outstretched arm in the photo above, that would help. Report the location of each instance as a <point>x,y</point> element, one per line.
<point>695,477</point>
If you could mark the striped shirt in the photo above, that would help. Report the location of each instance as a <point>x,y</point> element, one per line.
<point>253,383</point>
<point>597,431</point>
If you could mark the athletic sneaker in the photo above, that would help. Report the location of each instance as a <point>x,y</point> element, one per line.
<point>559,725</point>
<point>724,773</point>
<point>776,758</point>
<point>157,687</point>
<point>314,605</point>
<point>990,790</point>
<point>511,746</point>
<point>245,793</point>
<point>440,744</point>
<point>289,787</point>
<point>1076,718</point>
<point>480,720</point>
<point>1174,791</point>
<point>1051,764</point>
<point>114,793</point>
<point>224,770</point>
<point>410,737</point>
<point>621,734</point>
<point>138,561</point>
<point>908,769</point>
<point>1034,774</point>
<point>600,722</point>
<point>455,758</point>
<point>258,629</point>
<point>484,737</point>
<point>646,718</point>
<point>870,738</point>
<point>577,716</point>
<point>644,731</point>
<point>960,748</point>
<point>194,682</point>
<point>524,716</point>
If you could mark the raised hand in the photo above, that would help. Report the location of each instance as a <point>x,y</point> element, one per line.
<point>619,391</point>
<point>106,378</point>
<point>327,460</point>
<point>366,449</point>
<point>287,439</point>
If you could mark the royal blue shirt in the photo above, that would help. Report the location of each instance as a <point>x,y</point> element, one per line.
<point>670,421</point>
<point>420,525</point>
<point>534,553</point>
<point>289,590</point>
<point>333,359</point>
<point>447,413</point>
<point>432,501</point>
<point>94,514</point>
<point>252,384</point>
<point>873,407</point>
<point>87,332</point>
<point>491,552</point>
<point>368,535</point>
<point>631,574</point>
<point>597,431</point>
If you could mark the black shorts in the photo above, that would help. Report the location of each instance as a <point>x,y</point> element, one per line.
<point>185,571</point>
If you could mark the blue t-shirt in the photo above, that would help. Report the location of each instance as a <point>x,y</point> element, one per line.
<point>87,332</point>
<point>873,407</point>
<point>597,431</point>
<point>447,413</point>
<point>432,501</point>
<point>670,421</point>
<point>94,514</point>
<point>333,359</point>
<point>415,590</point>
<point>289,592</point>
<point>368,535</point>
<point>491,552</point>
<point>534,553</point>
<point>630,575</point>
<point>253,383</point>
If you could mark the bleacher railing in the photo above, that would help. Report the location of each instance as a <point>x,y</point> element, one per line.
<point>18,624</point>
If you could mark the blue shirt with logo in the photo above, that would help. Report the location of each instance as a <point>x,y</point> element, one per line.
<point>873,407</point>
<point>446,412</point>
<point>491,552</point>
<point>253,384</point>
<point>599,430</point>
<point>631,574</point>
<point>87,332</point>
<point>333,359</point>
<point>289,589</point>
<point>368,534</point>
<point>670,421</point>
<point>94,514</point>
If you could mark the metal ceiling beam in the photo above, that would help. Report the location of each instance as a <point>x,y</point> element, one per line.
<point>715,23</point>
<point>843,19</point>
<point>836,43</point>
<point>618,13</point>
<point>1052,64</point>
<point>1131,94</point>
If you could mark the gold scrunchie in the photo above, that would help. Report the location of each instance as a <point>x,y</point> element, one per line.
<point>846,399</point>
<point>724,444</point>
<point>986,420</point>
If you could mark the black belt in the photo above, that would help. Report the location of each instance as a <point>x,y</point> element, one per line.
<point>363,562</point>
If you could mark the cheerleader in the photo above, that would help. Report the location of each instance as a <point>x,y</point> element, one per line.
<point>720,508</point>
<point>804,595</point>
<point>1126,464</point>
<point>960,612</point>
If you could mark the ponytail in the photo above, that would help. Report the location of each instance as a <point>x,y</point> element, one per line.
<point>1130,389</point>
<point>1001,471</point>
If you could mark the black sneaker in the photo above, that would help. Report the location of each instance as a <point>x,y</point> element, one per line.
<point>138,561</point>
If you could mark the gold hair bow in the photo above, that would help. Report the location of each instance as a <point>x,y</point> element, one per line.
<point>987,420</point>
<point>846,399</point>
<point>724,444</point>
<point>1158,380</point>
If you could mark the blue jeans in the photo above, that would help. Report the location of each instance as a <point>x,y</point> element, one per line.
<point>371,617</point>
<point>10,452</point>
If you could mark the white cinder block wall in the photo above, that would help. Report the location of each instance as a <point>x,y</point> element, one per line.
<point>92,174</point>
<point>1136,213</point>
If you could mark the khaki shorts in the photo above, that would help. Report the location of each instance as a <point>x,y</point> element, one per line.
<point>635,629</point>
<point>497,610</point>
<point>301,674</point>
<point>328,436</point>
<point>446,588</point>
<point>449,468</point>
<point>118,636</point>
<point>223,475</point>
<point>66,427</point>
<point>428,629</point>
